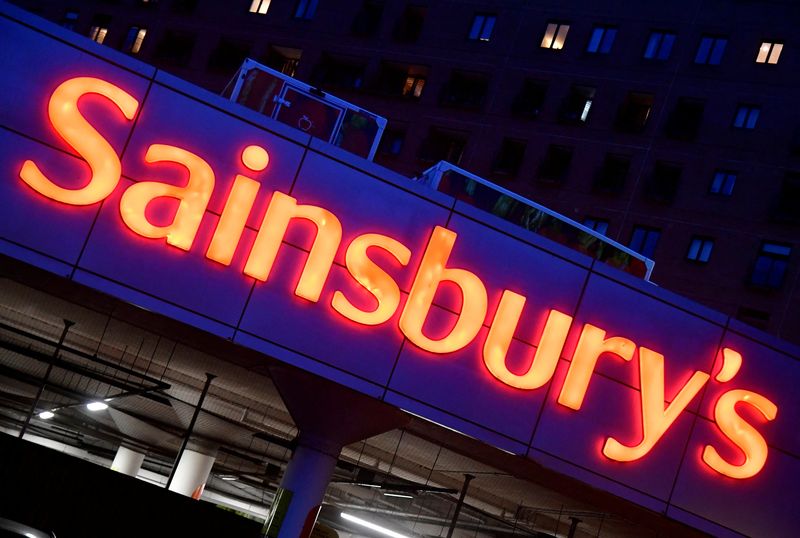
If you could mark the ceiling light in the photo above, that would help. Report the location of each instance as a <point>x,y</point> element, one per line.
<point>228,478</point>
<point>46,415</point>
<point>96,406</point>
<point>401,495</point>
<point>373,526</point>
<point>369,485</point>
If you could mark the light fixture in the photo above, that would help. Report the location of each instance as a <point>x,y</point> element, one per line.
<point>96,406</point>
<point>400,495</point>
<point>372,526</point>
<point>229,477</point>
<point>46,415</point>
<point>369,485</point>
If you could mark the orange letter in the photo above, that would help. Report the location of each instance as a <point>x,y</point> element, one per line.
<point>237,208</point>
<point>741,433</point>
<point>83,138</point>
<point>283,208</point>
<point>655,419</point>
<point>431,272</point>
<point>591,345</point>
<point>372,278</point>
<point>501,332</point>
<point>193,198</point>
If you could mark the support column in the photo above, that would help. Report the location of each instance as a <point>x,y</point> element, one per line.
<point>127,461</point>
<point>192,474</point>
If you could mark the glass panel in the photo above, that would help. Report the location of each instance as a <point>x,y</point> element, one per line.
<point>549,34</point>
<point>561,37</point>
<point>357,133</point>
<point>703,50</point>
<point>652,45</point>
<point>776,53</point>
<point>694,248</point>
<point>594,42</point>
<point>666,46</point>
<point>487,28</point>
<point>718,51</point>
<point>763,52</point>
<point>308,114</point>
<point>608,40</point>
<point>752,118</point>
<point>477,23</point>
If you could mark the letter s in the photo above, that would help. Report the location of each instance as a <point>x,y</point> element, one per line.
<point>70,124</point>
<point>743,434</point>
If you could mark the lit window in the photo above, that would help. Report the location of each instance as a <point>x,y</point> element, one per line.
<point>69,20</point>
<point>710,50</point>
<point>602,39</point>
<point>554,36</point>
<point>306,9</point>
<point>746,117</point>
<point>659,46</point>
<point>413,86</point>
<point>98,34</point>
<point>723,182</point>
<point>259,6</point>
<point>134,39</point>
<point>598,225</point>
<point>482,26</point>
<point>769,53</point>
<point>644,240</point>
<point>771,264</point>
<point>700,249</point>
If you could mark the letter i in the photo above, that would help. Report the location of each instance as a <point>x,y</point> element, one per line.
<point>237,208</point>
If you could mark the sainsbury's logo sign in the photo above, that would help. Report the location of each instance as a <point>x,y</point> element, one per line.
<point>656,414</point>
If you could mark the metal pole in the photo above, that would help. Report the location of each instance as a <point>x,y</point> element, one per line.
<point>573,527</point>
<point>467,479</point>
<point>188,434</point>
<point>67,325</point>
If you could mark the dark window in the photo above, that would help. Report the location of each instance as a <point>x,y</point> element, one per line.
<point>305,9</point>
<point>398,80</point>
<point>530,100</point>
<point>283,59</point>
<point>339,72</point>
<point>598,225</point>
<point>134,39</point>
<point>482,27</point>
<point>700,249</point>
<point>634,112</point>
<point>184,7</point>
<point>710,50</point>
<point>368,19</point>
<point>787,205</point>
<point>752,316</point>
<point>602,40</point>
<point>644,240</point>
<point>663,184</point>
<point>392,141</point>
<point>659,46</point>
<point>611,177</point>
<point>576,105</point>
<point>555,165</point>
<point>723,182</point>
<point>684,122</point>
<point>69,20</point>
<point>465,90</point>
<point>770,267</point>
<point>555,35</point>
<point>409,25</point>
<point>228,55</point>
<point>509,157</point>
<point>746,116</point>
<point>443,145</point>
<point>175,48</point>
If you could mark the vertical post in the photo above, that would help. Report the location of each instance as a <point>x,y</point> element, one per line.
<point>67,325</point>
<point>467,479</point>
<point>573,526</point>
<point>188,434</point>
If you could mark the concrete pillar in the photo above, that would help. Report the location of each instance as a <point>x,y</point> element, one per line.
<point>192,474</point>
<point>127,461</point>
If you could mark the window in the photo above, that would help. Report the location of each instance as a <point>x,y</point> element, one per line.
<point>602,39</point>
<point>175,48</point>
<point>69,20</point>
<point>700,249</point>
<point>413,86</point>
<point>556,163</point>
<point>305,9</point>
<point>134,39</point>
<point>598,225</point>
<point>612,175</point>
<point>659,46</point>
<point>770,267</point>
<point>769,53</point>
<point>644,240</point>
<point>392,141</point>
<point>99,28</point>
<point>786,207</point>
<point>529,101</point>
<point>684,122</point>
<point>409,25</point>
<point>228,55</point>
<point>746,116</point>
<point>723,182</point>
<point>465,90</point>
<point>283,59</point>
<point>401,80</point>
<point>710,50</point>
<point>337,72</point>
<point>634,112</point>
<point>554,36</point>
<point>663,184</point>
<point>576,105</point>
<point>482,26</point>
<point>509,158</point>
<point>443,145</point>
<point>260,6</point>
<point>368,20</point>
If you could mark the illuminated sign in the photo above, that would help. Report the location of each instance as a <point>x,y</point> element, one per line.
<point>657,410</point>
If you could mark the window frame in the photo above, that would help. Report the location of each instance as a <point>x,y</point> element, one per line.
<point>558,27</point>
<point>749,120</point>
<point>713,49</point>
<point>773,258</point>
<point>700,249</point>
<point>259,7</point>
<point>769,52</point>
<point>478,33</point>
<point>647,232</point>
<point>607,35</point>
<point>658,54</point>
<point>721,185</point>
<point>305,10</point>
